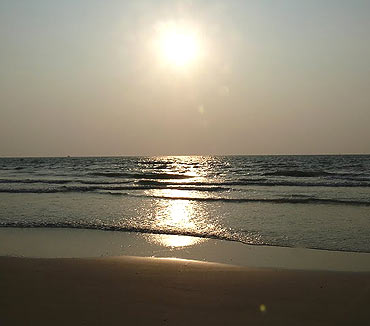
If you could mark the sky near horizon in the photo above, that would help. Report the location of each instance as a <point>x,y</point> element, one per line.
<point>184,77</point>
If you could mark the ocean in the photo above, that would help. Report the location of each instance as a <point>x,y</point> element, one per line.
<point>320,202</point>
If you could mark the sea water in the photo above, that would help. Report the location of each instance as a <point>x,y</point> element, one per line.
<point>318,202</point>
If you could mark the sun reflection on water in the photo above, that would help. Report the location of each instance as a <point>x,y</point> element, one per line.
<point>174,211</point>
<point>174,241</point>
<point>178,216</point>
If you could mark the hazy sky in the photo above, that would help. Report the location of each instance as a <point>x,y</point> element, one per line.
<point>85,77</point>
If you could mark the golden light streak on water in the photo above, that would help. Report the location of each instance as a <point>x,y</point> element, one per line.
<point>177,216</point>
<point>174,241</point>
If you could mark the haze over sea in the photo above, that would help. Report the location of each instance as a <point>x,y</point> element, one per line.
<point>296,201</point>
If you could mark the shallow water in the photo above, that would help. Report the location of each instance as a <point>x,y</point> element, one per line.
<point>296,201</point>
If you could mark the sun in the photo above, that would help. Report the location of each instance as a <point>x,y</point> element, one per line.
<point>178,45</point>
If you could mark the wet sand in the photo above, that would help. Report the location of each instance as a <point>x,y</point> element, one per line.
<point>72,243</point>
<point>153,291</point>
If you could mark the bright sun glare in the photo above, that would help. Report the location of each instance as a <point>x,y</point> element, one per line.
<point>178,45</point>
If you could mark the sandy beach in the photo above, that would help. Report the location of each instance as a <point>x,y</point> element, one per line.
<point>154,291</point>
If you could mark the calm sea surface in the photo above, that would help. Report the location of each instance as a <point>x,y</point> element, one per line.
<point>297,201</point>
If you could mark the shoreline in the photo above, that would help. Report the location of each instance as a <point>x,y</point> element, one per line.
<point>72,243</point>
<point>155,291</point>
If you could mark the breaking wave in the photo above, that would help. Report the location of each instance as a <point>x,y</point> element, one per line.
<point>219,235</point>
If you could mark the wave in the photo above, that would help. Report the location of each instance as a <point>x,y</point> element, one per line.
<point>61,181</point>
<point>155,183</point>
<point>316,174</point>
<point>332,184</point>
<point>212,186</point>
<point>35,181</point>
<point>164,163</point>
<point>292,200</point>
<point>118,191</point>
<point>298,173</point>
<point>66,189</point>
<point>261,182</point>
<point>243,236</point>
<point>141,175</point>
<point>218,235</point>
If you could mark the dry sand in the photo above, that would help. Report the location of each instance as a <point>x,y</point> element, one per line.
<point>152,291</point>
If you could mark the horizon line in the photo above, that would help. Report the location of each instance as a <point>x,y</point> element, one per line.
<point>179,155</point>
